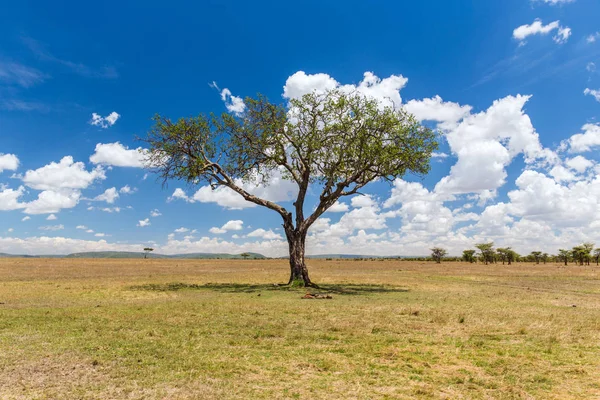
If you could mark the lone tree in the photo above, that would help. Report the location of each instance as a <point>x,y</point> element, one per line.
<point>147,250</point>
<point>469,256</point>
<point>437,253</point>
<point>335,142</point>
<point>245,256</point>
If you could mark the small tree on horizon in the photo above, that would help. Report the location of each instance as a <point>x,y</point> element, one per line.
<point>437,253</point>
<point>469,256</point>
<point>486,251</point>
<point>331,143</point>
<point>563,255</point>
<point>147,250</point>
<point>245,256</point>
<point>537,256</point>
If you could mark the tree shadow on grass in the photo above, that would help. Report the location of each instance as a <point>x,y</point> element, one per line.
<point>341,289</point>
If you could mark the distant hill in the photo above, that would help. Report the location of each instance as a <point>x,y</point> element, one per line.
<point>128,254</point>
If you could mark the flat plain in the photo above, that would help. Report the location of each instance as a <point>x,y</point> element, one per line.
<point>221,329</point>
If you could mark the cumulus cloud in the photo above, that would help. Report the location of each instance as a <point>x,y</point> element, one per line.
<point>109,196</point>
<point>233,225</point>
<point>538,28</point>
<point>277,190</point>
<point>8,162</point>
<point>234,104</point>
<point>144,222</point>
<point>155,213</point>
<point>386,91</point>
<point>592,92</point>
<point>486,143</point>
<point>51,217</point>
<point>9,198</point>
<point>264,234</point>
<point>104,122</point>
<point>127,190</point>
<point>50,201</point>
<point>593,37</point>
<point>338,207</point>
<point>82,227</point>
<point>117,155</point>
<point>26,218</point>
<point>66,174</point>
<point>447,114</point>
<point>586,141</point>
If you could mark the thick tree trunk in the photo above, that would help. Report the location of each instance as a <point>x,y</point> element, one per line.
<point>298,271</point>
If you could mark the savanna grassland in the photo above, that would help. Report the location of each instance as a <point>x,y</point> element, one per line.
<point>220,329</point>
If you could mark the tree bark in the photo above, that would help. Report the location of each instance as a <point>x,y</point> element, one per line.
<point>297,246</point>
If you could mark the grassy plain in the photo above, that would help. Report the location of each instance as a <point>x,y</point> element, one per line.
<point>220,329</point>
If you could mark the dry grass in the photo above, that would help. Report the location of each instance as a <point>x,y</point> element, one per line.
<point>214,329</point>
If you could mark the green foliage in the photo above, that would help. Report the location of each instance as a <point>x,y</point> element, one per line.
<point>486,251</point>
<point>468,256</point>
<point>437,253</point>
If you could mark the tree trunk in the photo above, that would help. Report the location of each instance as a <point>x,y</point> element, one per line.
<point>298,271</point>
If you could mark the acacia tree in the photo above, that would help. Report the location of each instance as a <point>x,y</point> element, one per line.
<point>537,256</point>
<point>486,251</point>
<point>507,254</point>
<point>335,142</point>
<point>597,256</point>
<point>147,250</point>
<point>437,253</point>
<point>563,255</point>
<point>469,256</point>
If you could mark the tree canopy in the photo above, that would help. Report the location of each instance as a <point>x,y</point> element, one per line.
<point>336,141</point>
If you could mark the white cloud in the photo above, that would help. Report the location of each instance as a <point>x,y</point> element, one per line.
<point>234,104</point>
<point>582,142</point>
<point>26,218</point>
<point>104,122</point>
<point>363,201</point>
<point>181,230</point>
<point>486,143</point>
<point>50,201</point>
<point>51,217</point>
<point>386,91</point>
<point>590,67</point>
<point>338,207</point>
<point>8,162</point>
<point>117,155</point>
<point>111,209</point>
<point>144,222</point>
<point>89,231</point>
<point>9,198</point>
<point>557,2</point>
<point>264,234</point>
<point>439,155</point>
<point>592,92</point>
<point>65,174</point>
<point>109,196</point>
<point>276,190</point>
<point>179,194</point>
<point>593,37</point>
<point>127,190</point>
<point>60,245</point>
<point>52,227</point>
<point>435,109</point>
<point>82,227</point>
<point>579,164</point>
<point>155,213</point>
<point>233,225</point>
<point>538,28</point>
<point>100,235</point>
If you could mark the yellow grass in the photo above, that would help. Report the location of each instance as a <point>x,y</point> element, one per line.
<point>220,329</point>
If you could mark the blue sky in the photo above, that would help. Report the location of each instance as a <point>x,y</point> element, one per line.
<point>512,87</point>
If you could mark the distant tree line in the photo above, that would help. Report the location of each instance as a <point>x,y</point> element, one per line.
<point>583,254</point>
